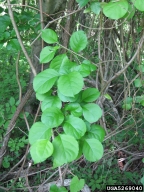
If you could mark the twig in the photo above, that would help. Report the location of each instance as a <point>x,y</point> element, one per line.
<point>55,21</point>
<point>60,175</point>
<point>17,77</point>
<point>20,88</point>
<point>19,170</point>
<point>128,63</point>
<point>130,161</point>
<point>19,37</point>
<point>12,122</point>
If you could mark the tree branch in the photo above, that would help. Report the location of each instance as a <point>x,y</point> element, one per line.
<point>12,122</point>
<point>19,38</point>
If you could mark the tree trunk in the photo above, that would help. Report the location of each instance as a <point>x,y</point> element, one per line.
<point>49,7</point>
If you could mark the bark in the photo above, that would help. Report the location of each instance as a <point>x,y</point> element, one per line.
<point>49,7</point>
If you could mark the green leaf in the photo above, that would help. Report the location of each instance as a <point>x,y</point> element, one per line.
<point>142,102</point>
<point>74,108</point>
<point>138,82</point>
<point>97,132</point>
<point>91,66</point>
<point>4,22</point>
<point>82,3</point>
<point>41,150</point>
<point>92,149</point>
<point>95,7</point>
<point>13,44</point>
<point>6,35</point>
<point>58,61</point>
<point>13,109</point>
<point>54,188</point>
<point>130,13</point>
<point>85,68</point>
<point>139,4</point>
<point>39,131</point>
<point>107,96</point>
<point>51,101</point>
<point>78,41</point>
<point>116,9</point>
<point>88,125</point>
<point>5,164</point>
<point>42,97</point>
<point>127,106</point>
<point>140,68</point>
<point>12,101</point>
<point>70,84</point>
<point>128,100</point>
<point>65,149</point>
<point>76,184</point>
<point>90,95</point>
<point>47,54</point>
<point>67,99</point>
<point>138,99</point>
<point>75,127</point>
<point>44,81</point>
<point>62,64</point>
<point>52,117</point>
<point>87,10</point>
<point>80,150</point>
<point>49,36</point>
<point>92,112</point>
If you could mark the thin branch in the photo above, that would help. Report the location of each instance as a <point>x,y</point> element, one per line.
<point>19,37</point>
<point>131,60</point>
<point>130,161</point>
<point>17,77</point>
<point>12,122</point>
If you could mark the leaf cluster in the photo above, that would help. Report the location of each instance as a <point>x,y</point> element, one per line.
<point>67,105</point>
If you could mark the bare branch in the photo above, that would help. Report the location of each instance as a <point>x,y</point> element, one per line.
<point>19,37</point>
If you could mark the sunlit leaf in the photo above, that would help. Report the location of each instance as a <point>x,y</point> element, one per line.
<point>44,81</point>
<point>115,9</point>
<point>39,131</point>
<point>52,117</point>
<point>92,149</point>
<point>78,41</point>
<point>74,108</point>
<point>76,184</point>
<point>90,94</point>
<point>75,127</point>
<point>92,112</point>
<point>54,188</point>
<point>139,4</point>
<point>138,82</point>
<point>49,36</point>
<point>97,132</point>
<point>41,150</point>
<point>82,3</point>
<point>65,149</point>
<point>51,101</point>
<point>47,54</point>
<point>70,84</point>
<point>95,7</point>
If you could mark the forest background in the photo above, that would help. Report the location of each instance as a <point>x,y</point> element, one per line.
<point>107,52</point>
